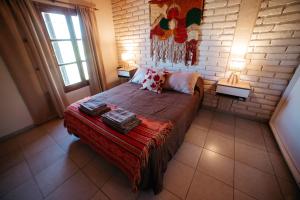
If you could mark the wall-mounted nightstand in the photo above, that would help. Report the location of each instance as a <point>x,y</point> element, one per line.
<point>125,74</point>
<point>240,90</point>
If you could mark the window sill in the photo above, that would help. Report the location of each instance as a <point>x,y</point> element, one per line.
<point>76,86</point>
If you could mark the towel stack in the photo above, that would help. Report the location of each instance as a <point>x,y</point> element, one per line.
<point>121,120</point>
<point>93,107</point>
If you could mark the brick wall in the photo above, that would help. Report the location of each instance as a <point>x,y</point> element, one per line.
<point>272,57</point>
<point>273,54</point>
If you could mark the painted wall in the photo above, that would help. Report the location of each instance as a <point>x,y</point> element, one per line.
<point>272,54</point>
<point>107,40</point>
<point>14,114</point>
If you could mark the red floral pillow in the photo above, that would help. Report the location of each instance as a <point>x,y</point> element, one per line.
<point>154,80</point>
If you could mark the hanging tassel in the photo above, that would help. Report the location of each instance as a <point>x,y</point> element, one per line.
<point>191,52</point>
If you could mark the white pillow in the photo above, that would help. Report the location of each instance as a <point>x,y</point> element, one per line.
<point>184,82</point>
<point>139,75</point>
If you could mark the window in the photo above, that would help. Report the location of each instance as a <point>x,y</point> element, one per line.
<point>64,33</point>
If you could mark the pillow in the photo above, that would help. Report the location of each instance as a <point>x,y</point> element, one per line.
<point>139,75</point>
<point>184,82</point>
<point>154,80</point>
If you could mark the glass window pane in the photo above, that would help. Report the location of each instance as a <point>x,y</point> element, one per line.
<point>70,74</point>
<point>81,50</point>
<point>76,25</point>
<point>85,71</point>
<point>56,25</point>
<point>64,51</point>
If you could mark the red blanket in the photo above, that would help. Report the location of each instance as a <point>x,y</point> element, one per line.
<point>130,152</point>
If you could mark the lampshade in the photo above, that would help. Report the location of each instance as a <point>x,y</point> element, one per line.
<point>126,56</point>
<point>237,64</point>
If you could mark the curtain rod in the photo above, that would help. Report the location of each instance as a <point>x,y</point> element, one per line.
<point>66,3</point>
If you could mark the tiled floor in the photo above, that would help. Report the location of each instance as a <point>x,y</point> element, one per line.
<point>223,157</point>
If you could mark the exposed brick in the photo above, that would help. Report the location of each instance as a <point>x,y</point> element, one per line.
<point>219,4</point>
<point>292,8</point>
<point>289,62</point>
<point>278,69</point>
<point>274,35</point>
<point>233,2</point>
<point>293,49</point>
<point>277,87</point>
<point>273,80</point>
<point>259,43</point>
<point>287,27</point>
<point>269,12</point>
<point>269,49</point>
<point>273,3</point>
<point>225,11</point>
<point>281,19</point>
<point>285,42</point>
<point>282,56</point>
<point>263,28</point>
<point>271,61</point>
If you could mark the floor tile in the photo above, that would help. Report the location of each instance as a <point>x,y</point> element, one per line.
<point>250,137</point>
<point>9,146</point>
<point>222,129</point>
<point>280,167</point>
<point>224,118</point>
<point>38,145</point>
<point>248,125</point>
<point>119,187</point>
<point>163,195</point>
<point>45,158</point>
<point>10,160</point>
<point>81,153</point>
<point>216,165</point>
<point>178,178</point>
<point>206,187</point>
<point>99,171</point>
<point>100,196</point>
<point>188,154</point>
<point>14,177</point>
<point>219,144</point>
<point>56,129</point>
<point>270,141</point>
<point>289,189</point>
<point>28,190</point>
<point>204,119</point>
<point>238,195</point>
<point>53,176</point>
<point>196,135</point>
<point>253,157</point>
<point>66,168</point>
<point>67,142</point>
<point>31,136</point>
<point>256,183</point>
<point>77,187</point>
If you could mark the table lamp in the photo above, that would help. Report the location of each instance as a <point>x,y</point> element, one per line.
<point>127,58</point>
<point>236,66</point>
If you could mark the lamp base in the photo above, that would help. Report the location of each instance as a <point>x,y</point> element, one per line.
<point>233,78</point>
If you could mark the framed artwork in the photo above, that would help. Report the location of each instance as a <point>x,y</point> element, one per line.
<point>175,27</point>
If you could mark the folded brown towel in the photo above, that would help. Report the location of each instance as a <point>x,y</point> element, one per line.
<point>120,116</point>
<point>94,112</point>
<point>124,128</point>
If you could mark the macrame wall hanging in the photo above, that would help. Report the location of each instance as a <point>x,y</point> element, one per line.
<point>175,27</point>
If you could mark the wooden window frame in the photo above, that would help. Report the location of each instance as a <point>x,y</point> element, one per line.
<point>68,12</point>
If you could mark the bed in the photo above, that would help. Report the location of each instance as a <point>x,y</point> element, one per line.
<point>168,107</point>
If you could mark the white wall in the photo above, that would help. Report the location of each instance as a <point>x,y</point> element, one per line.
<point>14,114</point>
